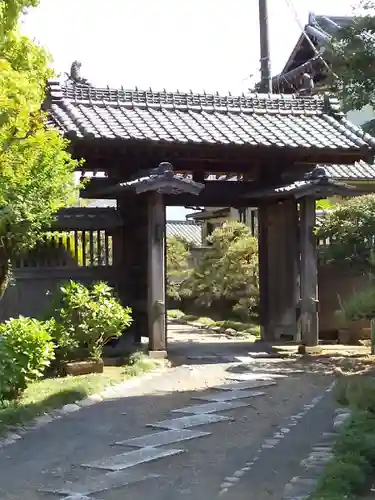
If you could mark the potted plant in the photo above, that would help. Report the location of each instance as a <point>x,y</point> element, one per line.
<point>86,319</point>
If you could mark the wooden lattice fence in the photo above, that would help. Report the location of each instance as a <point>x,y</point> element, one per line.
<point>80,246</point>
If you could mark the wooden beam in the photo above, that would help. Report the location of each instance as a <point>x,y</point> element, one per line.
<point>309,274</point>
<point>156,274</point>
<point>118,156</point>
<point>230,191</point>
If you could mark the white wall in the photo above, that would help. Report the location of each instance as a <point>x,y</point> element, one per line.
<point>360,117</point>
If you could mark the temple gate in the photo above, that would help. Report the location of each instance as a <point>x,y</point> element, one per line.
<point>162,148</point>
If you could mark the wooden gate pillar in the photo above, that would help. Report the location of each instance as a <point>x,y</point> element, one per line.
<point>309,273</point>
<point>132,262</point>
<point>156,303</point>
<point>266,335</point>
<point>145,239</point>
<point>286,254</point>
<point>278,269</point>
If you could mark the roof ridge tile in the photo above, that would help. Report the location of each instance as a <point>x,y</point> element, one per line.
<point>263,103</point>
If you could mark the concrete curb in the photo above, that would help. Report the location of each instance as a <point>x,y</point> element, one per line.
<point>302,487</point>
<point>15,433</point>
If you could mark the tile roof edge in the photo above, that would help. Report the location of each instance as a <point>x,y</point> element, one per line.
<point>359,132</point>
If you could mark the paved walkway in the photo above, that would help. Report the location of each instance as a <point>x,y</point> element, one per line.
<point>233,426</point>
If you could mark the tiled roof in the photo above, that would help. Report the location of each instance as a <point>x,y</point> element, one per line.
<point>252,120</point>
<point>360,171</point>
<point>190,231</point>
<point>210,214</point>
<point>328,25</point>
<point>318,187</point>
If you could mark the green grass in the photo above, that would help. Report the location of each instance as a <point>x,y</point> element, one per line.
<point>350,471</point>
<point>51,393</point>
<point>243,329</point>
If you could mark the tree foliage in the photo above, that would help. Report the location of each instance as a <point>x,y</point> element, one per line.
<point>352,58</point>
<point>177,265</point>
<point>228,269</point>
<point>350,231</point>
<point>36,171</point>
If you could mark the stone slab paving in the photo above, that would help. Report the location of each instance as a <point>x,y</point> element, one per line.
<point>100,484</point>
<point>229,395</point>
<point>190,421</point>
<point>131,458</point>
<point>212,407</point>
<point>162,438</point>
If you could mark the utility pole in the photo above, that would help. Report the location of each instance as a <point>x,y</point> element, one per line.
<point>265,63</point>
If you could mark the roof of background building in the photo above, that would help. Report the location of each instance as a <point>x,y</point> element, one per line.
<point>255,120</point>
<point>102,204</point>
<point>187,230</point>
<point>360,171</point>
<point>307,55</point>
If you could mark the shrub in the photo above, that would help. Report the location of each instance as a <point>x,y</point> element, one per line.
<point>177,265</point>
<point>350,227</point>
<point>228,270</point>
<point>88,317</point>
<point>358,392</point>
<point>175,314</point>
<point>26,350</point>
<point>360,305</point>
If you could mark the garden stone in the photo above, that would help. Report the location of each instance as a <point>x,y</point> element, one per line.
<point>305,481</point>
<point>13,437</point>
<point>6,441</point>
<point>55,414</point>
<point>296,490</point>
<point>95,397</point>
<point>340,420</point>
<point>42,420</point>
<point>69,408</point>
<point>322,449</point>
<point>88,402</point>
<point>342,410</point>
<point>230,331</point>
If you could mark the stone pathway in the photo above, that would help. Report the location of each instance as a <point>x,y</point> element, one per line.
<point>204,431</point>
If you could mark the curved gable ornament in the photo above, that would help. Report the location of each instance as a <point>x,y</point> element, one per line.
<point>163,180</point>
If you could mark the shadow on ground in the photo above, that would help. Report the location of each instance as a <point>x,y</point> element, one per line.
<point>189,346</point>
<point>26,413</point>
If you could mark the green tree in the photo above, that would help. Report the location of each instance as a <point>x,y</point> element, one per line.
<point>36,171</point>
<point>228,269</point>
<point>352,58</point>
<point>349,230</point>
<point>177,265</point>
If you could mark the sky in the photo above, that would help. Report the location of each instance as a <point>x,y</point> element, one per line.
<point>210,45</point>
